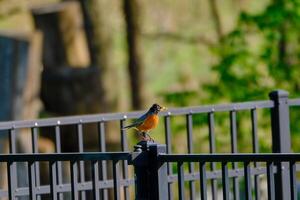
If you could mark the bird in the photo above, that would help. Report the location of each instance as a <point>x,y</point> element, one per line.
<point>147,121</point>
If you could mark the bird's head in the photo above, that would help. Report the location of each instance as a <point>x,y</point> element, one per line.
<point>155,108</point>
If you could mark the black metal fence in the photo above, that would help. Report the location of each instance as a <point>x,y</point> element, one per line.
<point>270,160</point>
<point>53,188</point>
<point>149,158</point>
<point>150,163</point>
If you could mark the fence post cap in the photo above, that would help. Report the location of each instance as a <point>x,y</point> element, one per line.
<point>278,94</point>
<point>137,148</point>
<point>144,145</point>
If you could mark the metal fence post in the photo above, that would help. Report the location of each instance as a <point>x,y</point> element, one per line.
<point>151,176</point>
<point>281,141</point>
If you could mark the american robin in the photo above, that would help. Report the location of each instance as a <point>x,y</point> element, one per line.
<point>148,121</point>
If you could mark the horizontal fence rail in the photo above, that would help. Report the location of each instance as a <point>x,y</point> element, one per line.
<point>60,121</point>
<point>238,157</point>
<point>85,156</point>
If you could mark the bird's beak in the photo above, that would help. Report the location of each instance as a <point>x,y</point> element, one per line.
<point>163,108</point>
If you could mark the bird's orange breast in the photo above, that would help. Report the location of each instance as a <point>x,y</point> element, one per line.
<point>149,123</point>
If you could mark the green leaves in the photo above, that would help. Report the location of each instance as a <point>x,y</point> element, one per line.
<point>262,48</point>
<point>260,54</point>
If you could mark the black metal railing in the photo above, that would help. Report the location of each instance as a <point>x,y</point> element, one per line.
<point>269,159</point>
<point>74,187</point>
<point>279,104</point>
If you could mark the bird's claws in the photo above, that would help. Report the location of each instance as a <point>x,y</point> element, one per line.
<point>150,138</point>
<point>146,137</point>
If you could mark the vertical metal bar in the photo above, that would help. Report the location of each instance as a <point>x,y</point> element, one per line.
<point>293,180</point>
<point>247,181</point>
<point>281,141</point>
<point>53,180</point>
<point>167,124</point>
<point>203,189</point>
<point>12,141</point>
<point>233,132</point>
<point>34,139</point>
<point>34,142</point>
<point>233,136</point>
<point>270,179</point>
<point>11,181</point>
<point>189,125</point>
<point>103,166</point>
<point>81,163</point>
<point>124,146</point>
<point>31,179</point>
<point>95,180</point>
<point>58,164</point>
<point>74,180</point>
<point>212,149</point>
<point>225,181</point>
<point>255,149</point>
<point>116,179</point>
<point>180,180</point>
<point>157,172</point>
<point>12,166</point>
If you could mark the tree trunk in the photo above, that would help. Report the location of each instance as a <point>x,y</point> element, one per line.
<point>283,45</point>
<point>216,17</point>
<point>74,38</point>
<point>100,40</point>
<point>135,66</point>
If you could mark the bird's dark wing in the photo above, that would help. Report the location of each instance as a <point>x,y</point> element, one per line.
<point>138,121</point>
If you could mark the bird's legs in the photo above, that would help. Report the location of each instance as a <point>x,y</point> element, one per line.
<point>145,134</point>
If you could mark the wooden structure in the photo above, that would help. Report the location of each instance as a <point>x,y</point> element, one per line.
<point>67,75</point>
<point>65,41</point>
<point>19,74</point>
<point>20,84</point>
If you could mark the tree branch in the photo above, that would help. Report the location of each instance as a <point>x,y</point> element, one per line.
<point>179,38</point>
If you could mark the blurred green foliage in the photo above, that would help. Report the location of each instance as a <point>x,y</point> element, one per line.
<point>251,72</point>
<point>259,55</point>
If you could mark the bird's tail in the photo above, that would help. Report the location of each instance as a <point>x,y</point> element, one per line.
<point>128,127</point>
